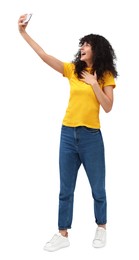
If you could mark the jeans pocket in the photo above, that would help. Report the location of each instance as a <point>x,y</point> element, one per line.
<point>91,130</point>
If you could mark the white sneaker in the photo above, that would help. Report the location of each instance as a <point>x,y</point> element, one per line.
<point>57,242</point>
<point>100,237</point>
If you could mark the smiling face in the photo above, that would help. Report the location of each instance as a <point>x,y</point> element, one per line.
<point>86,54</point>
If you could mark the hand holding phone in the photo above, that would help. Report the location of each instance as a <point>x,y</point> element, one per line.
<point>28,17</point>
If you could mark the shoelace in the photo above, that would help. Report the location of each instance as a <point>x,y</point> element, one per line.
<point>54,238</point>
<point>99,234</point>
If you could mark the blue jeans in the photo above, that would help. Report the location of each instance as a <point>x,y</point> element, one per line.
<point>81,145</point>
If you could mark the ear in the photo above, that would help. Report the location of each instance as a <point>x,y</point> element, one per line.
<point>95,75</point>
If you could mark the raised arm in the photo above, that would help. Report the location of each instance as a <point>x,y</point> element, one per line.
<point>48,59</point>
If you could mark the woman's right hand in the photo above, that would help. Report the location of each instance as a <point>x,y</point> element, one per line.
<point>22,26</point>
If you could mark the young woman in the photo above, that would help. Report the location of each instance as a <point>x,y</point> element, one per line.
<point>91,77</point>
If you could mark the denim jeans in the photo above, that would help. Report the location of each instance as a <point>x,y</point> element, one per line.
<point>81,145</point>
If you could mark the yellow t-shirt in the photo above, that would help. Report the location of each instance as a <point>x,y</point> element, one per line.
<point>83,107</point>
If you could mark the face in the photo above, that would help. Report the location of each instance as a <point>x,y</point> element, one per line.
<point>86,53</point>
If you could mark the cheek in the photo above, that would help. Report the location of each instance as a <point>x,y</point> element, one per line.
<point>91,55</point>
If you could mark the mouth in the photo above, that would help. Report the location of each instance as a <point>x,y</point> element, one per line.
<point>83,54</point>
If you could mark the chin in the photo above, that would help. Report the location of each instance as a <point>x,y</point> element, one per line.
<point>82,59</point>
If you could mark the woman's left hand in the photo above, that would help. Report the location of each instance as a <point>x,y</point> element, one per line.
<point>89,78</point>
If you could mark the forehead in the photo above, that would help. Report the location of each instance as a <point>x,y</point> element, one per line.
<point>85,44</point>
<point>87,39</point>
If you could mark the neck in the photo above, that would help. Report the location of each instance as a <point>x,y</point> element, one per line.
<point>89,64</point>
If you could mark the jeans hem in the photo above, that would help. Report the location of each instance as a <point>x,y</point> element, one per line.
<point>63,228</point>
<point>102,223</point>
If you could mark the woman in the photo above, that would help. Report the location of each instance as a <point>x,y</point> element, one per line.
<point>91,77</point>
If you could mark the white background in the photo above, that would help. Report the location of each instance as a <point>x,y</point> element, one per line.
<point>33,99</point>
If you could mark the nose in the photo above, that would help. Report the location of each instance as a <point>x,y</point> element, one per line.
<point>82,47</point>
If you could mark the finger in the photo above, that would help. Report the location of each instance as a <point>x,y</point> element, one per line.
<point>21,21</point>
<point>83,73</point>
<point>83,76</point>
<point>22,17</point>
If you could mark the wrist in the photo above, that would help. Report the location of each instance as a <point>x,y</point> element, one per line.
<point>94,84</point>
<point>22,32</point>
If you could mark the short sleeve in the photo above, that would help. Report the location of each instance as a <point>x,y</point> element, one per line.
<point>68,69</point>
<point>109,80</point>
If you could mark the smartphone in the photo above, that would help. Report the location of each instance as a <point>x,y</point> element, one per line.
<point>28,17</point>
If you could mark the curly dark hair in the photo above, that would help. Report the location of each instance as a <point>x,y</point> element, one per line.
<point>103,57</point>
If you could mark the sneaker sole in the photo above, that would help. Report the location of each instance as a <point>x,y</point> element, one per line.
<point>97,246</point>
<point>56,248</point>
